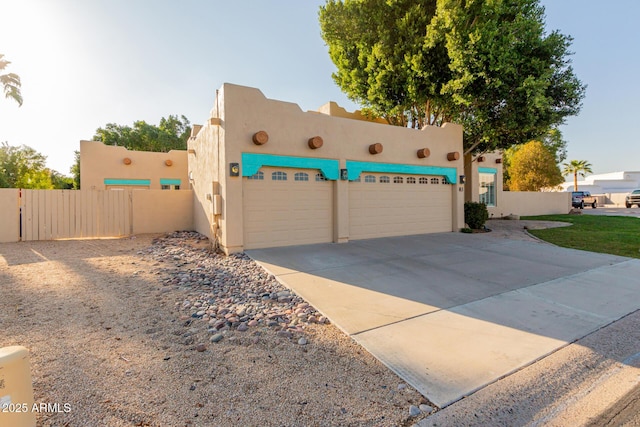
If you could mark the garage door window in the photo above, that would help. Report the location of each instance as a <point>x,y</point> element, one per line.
<point>398,180</point>
<point>369,178</point>
<point>411,180</point>
<point>258,176</point>
<point>384,179</point>
<point>320,177</point>
<point>301,176</point>
<point>435,180</point>
<point>279,176</point>
<point>423,180</point>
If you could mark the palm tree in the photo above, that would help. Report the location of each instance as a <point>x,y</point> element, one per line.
<point>10,82</point>
<point>576,167</point>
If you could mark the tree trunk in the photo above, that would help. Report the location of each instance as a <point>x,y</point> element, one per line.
<point>575,181</point>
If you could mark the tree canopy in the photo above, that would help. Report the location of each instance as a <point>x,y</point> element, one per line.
<point>24,167</point>
<point>552,141</point>
<point>533,167</point>
<point>171,134</point>
<point>75,170</point>
<point>488,65</point>
<point>10,82</point>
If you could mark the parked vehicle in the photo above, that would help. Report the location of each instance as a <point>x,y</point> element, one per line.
<point>632,198</point>
<point>581,198</point>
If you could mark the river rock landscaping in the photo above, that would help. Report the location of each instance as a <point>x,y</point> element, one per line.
<point>163,331</point>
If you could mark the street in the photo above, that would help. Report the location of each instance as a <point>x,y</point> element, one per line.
<point>612,211</point>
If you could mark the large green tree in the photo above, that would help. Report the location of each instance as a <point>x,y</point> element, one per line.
<point>10,82</point>
<point>382,59</point>
<point>556,144</point>
<point>486,64</point>
<point>23,167</point>
<point>75,170</point>
<point>533,167</point>
<point>171,133</point>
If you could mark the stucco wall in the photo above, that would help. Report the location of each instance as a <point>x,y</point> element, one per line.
<point>511,202</point>
<point>617,199</point>
<point>159,211</point>
<point>333,109</point>
<point>531,203</point>
<point>204,158</point>
<point>472,164</point>
<point>9,215</point>
<point>99,162</point>
<point>243,111</point>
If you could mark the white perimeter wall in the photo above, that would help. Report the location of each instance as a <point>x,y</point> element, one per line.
<point>530,203</point>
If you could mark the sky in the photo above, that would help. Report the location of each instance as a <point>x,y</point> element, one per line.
<point>86,63</point>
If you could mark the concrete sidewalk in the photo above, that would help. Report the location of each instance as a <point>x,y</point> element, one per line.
<point>451,313</point>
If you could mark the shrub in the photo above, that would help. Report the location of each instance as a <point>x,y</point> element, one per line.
<point>475,214</point>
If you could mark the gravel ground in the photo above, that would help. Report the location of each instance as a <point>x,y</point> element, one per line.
<point>159,331</point>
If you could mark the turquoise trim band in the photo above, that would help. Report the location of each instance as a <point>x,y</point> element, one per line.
<point>488,170</point>
<point>141,182</point>
<point>356,168</point>
<point>252,162</point>
<point>164,181</point>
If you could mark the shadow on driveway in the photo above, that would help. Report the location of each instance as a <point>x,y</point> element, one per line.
<point>452,312</point>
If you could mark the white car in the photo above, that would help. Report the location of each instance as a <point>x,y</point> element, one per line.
<point>632,199</point>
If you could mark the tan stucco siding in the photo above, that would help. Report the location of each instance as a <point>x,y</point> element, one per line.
<point>204,159</point>
<point>99,162</point>
<point>240,112</point>
<point>289,129</point>
<point>473,165</point>
<point>157,211</point>
<point>531,203</point>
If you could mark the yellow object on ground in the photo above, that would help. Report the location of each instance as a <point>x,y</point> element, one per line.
<point>16,392</point>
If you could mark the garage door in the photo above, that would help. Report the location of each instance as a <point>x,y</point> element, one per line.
<point>284,206</point>
<point>382,205</point>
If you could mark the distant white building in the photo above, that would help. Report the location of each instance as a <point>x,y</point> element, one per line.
<point>614,185</point>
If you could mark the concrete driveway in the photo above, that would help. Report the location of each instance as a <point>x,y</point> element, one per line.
<point>451,313</point>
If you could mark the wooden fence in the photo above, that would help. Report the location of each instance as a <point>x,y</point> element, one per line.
<point>70,214</point>
<point>76,214</point>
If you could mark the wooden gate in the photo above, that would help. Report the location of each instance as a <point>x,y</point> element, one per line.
<point>71,214</point>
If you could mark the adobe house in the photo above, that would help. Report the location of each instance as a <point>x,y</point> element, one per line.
<point>266,174</point>
<point>484,179</point>
<point>107,167</point>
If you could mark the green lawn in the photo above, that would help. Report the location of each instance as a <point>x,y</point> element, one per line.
<point>617,235</point>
